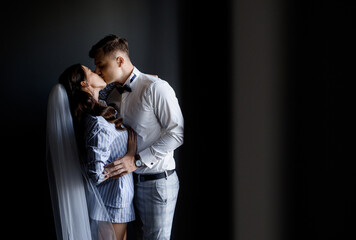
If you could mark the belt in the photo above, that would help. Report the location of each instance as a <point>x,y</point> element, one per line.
<point>148,177</point>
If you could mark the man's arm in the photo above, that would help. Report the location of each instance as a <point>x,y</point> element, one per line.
<point>162,98</point>
<point>125,164</point>
<point>167,110</point>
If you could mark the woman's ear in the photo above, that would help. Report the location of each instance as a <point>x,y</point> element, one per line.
<point>83,83</point>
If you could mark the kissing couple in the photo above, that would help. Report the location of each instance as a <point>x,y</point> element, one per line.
<point>111,136</point>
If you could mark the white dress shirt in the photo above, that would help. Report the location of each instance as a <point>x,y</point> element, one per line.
<point>152,110</point>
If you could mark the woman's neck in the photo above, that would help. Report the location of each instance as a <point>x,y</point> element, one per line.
<point>95,94</point>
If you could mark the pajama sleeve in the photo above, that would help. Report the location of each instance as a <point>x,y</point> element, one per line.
<point>98,153</point>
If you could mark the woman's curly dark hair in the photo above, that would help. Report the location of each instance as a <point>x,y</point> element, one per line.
<point>83,103</point>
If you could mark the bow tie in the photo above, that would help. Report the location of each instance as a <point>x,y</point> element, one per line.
<point>124,88</point>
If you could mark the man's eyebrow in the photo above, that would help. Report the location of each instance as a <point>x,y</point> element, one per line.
<point>98,62</point>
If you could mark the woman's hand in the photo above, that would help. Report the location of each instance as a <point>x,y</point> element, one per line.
<point>131,143</point>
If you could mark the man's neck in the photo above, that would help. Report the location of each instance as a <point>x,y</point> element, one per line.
<point>127,72</point>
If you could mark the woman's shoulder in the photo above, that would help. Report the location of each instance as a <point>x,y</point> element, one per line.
<point>97,126</point>
<point>97,120</point>
<point>95,123</point>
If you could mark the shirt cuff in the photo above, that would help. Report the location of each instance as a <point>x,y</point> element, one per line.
<point>148,158</point>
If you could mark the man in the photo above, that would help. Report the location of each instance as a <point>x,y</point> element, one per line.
<point>149,106</point>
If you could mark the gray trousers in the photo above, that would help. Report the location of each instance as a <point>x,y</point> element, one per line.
<point>155,202</point>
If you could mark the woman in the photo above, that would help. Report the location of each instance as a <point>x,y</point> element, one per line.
<point>101,138</point>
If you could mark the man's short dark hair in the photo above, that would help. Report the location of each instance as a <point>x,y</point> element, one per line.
<point>109,44</point>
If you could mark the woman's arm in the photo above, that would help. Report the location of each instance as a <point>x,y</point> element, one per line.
<point>98,152</point>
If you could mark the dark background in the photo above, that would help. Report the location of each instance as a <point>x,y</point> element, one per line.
<point>265,87</point>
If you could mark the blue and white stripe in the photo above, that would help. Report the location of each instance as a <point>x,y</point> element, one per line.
<point>104,143</point>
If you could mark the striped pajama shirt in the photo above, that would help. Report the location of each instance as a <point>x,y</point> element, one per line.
<point>104,143</point>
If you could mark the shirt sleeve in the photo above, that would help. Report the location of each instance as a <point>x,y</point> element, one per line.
<point>98,153</point>
<point>162,98</point>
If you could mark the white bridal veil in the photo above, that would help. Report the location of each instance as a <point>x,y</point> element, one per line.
<point>75,199</point>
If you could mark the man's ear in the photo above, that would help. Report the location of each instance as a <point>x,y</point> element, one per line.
<point>120,60</point>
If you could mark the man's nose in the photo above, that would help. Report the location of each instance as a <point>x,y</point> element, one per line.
<point>97,71</point>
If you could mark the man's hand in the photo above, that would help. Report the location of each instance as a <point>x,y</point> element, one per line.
<point>120,167</point>
<point>125,164</point>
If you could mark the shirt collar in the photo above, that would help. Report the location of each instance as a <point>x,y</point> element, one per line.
<point>131,79</point>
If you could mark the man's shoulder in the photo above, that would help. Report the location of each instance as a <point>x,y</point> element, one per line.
<point>148,79</point>
<point>152,82</point>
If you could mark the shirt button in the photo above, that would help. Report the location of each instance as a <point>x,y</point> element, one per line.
<point>151,163</point>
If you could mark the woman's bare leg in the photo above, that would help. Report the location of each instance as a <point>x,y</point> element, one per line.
<point>120,230</point>
<point>125,236</point>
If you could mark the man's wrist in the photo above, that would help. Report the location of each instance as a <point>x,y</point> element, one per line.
<point>138,161</point>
